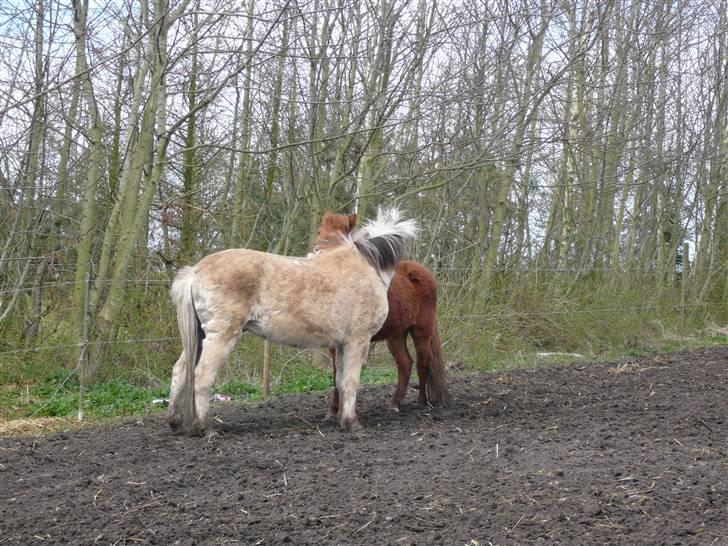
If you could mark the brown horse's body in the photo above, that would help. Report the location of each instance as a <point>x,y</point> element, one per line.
<point>412,301</point>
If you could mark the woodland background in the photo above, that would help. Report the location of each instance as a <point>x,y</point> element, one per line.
<point>566,161</point>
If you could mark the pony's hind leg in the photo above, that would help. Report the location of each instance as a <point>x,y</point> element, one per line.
<point>215,349</point>
<point>174,418</point>
<point>351,356</point>
<point>398,347</point>
<point>334,409</point>
<point>421,339</point>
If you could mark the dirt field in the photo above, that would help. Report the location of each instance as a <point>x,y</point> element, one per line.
<point>625,453</point>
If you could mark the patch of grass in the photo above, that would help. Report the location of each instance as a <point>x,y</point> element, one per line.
<point>301,378</point>
<point>54,392</point>
<point>681,344</point>
<point>377,375</point>
<point>239,389</point>
<point>58,397</point>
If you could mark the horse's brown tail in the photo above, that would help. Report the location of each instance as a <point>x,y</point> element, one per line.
<point>435,375</point>
<point>191,333</point>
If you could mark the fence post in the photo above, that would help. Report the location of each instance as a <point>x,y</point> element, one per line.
<point>684,281</point>
<point>266,369</point>
<point>83,358</point>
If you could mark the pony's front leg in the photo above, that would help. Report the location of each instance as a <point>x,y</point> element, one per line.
<point>215,349</point>
<point>351,356</point>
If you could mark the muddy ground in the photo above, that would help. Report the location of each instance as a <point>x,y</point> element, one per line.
<point>633,452</point>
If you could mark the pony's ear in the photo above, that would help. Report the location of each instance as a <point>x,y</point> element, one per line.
<point>352,221</point>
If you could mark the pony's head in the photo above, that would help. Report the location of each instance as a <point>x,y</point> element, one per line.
<point>333,231</point>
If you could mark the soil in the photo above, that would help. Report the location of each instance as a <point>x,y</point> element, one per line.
<point>632,452</point>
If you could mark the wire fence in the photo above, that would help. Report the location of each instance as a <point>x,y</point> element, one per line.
<point>454,322</point>
<point>509,270</point>
<point>479,317</point>
<point>30,288</point>
<point>48,400</point>
<point>82,344</point>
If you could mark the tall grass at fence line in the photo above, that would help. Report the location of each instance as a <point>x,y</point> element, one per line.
<point>505,324</point>
<point>600,316</point>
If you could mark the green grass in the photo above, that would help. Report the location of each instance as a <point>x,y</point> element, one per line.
<point>238,389</point>
<point>54,393</point>
<point>300,378</point>
<point>305,378</point>
<point>58,397</point>
<point>498,328</point>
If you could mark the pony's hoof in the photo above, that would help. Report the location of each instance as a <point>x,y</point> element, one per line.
<point>394,408</point>
<point>352,426</point>
<point>175,423</point>
<point>198,430</point>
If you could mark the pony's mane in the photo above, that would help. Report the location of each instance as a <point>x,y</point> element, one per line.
<point>382,241</point>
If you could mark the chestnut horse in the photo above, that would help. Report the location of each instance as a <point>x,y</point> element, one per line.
<point>412,297</point>
<point>335,299</point>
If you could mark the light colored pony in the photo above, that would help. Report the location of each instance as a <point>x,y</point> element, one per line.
<point>332,299</point>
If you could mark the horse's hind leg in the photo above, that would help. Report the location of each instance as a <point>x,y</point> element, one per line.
<point>174,418</point>
<point>215,349</point>
<point>351,356</point>
<point>398,347</point>
<point>334,410</point>
<point>421,338</point>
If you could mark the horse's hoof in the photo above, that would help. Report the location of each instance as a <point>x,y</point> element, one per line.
<point>198,430</point>
<point>175,423</point>
<point>394,409</point>
<point>353,426</point>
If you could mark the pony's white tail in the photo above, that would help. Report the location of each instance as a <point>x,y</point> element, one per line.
<point>191,333</point>
<point>382,241</point>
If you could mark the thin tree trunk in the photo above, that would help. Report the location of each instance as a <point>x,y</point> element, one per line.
<point>275,121</point>
<point>189,177</point>
<point>507,178</point>
<point>87,235</point>
<point>236,233</point>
